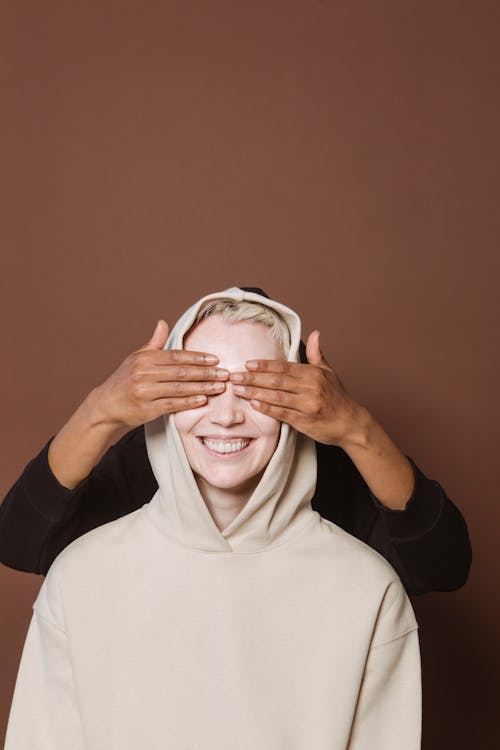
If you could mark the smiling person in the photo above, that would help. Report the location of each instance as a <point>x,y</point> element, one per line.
<point>96,468</point>
<point>228,444</point>
<point>225,611</point>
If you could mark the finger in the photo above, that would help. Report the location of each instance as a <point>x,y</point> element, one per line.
<point>172,405</point>
<point>282,413</point>
<point>313,351</point>
<point>159,337</point>
<point>180,372</point>
<point>293,369</point>
<point>185,356</point>
<point>267,380</point>
<point>268,395</point>
<point>179,389</point>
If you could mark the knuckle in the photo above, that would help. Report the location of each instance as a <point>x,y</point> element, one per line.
<point>140,356</point>
<point>322,376</point>
<point>136,375</point>
<point>130,361</point>
<point>180,371</point>
<point>168,406</point>
<point>314,405</point>
<point>319,377</point>
<point>136,393</point>
<point>141,388</point>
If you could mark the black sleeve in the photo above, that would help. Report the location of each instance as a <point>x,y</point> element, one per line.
<point>39,517</point>
<point>427,542</point>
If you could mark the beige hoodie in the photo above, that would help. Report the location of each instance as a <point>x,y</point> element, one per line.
<point>157,631</point>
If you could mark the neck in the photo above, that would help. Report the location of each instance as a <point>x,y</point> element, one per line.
<point>225,504</point>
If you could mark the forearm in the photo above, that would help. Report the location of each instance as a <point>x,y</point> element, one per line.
<point>81,442</point>
<point>383,466</point>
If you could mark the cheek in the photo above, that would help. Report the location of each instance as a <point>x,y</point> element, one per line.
<point>185,420</point>
<point>269,427</point>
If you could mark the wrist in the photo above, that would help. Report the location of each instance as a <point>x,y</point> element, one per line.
<point>80,443</point>
<point>384,467</point>
<point>361,428</point>
<point>97,418</point>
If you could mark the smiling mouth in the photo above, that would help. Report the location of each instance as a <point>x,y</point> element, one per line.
<point>224,448</point>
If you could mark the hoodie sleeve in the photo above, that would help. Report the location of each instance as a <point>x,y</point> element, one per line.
<point>44,711</point>
<point>388,714</point>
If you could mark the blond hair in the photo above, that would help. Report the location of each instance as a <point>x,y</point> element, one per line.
<point>235,311</point>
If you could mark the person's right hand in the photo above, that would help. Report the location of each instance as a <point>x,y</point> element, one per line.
<point>153,381</point>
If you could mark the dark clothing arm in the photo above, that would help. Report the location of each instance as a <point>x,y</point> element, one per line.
<point>427,543</point>
<point>39,517</point>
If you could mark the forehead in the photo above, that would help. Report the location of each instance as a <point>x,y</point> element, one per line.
<point>232,342</point>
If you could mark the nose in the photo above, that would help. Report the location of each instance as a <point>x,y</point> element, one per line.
<point>226,408</point>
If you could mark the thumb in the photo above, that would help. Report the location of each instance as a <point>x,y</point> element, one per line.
<point>159,337</point>
<point>313,351</point>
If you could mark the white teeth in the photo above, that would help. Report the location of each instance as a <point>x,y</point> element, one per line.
<point>220,446</point>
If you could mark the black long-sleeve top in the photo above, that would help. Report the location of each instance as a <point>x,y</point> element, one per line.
<point>427,543</point>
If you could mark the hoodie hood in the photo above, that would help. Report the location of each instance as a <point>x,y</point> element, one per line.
<point>281,502</point>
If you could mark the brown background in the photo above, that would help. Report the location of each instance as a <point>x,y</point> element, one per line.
<point>341,155</point>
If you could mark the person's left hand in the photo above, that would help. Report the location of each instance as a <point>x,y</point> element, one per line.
<point>309,397</point>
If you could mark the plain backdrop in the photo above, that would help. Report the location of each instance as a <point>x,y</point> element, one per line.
<point>341,155</point>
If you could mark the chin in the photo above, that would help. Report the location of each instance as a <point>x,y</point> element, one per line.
<point>229,483</point>
<point>232,483</point>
